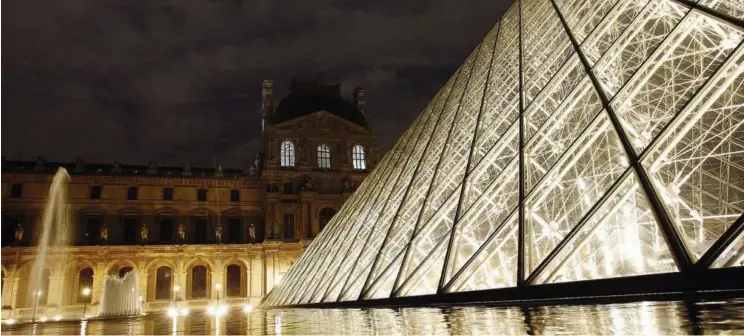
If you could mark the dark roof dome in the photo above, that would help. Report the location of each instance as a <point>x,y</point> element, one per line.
<point>307,98</point>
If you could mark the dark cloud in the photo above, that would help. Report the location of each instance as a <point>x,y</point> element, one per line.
<point>179,81</point>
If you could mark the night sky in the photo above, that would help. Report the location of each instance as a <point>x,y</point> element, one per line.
<point>180,81</point>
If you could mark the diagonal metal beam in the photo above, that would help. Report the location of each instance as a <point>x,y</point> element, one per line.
<point>674,241</point>
<point>455,120</point>
<point>723,242</point>
<point>470,161</point>
<point>520,216</point>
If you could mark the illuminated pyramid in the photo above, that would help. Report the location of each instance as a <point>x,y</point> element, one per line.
<point>634,169</point>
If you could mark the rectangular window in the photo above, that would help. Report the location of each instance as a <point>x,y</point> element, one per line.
<point>235,195</point>
<point>92,230</point>
<point>95,192</point>
<point>201,195</point>
<point>288,226</point>
<point>130,230</point>
<point>132,194</point>
<point>167,194</point>
<point>16,190</point>
<point>200,230</point>
<point>288,188</point>
<point>235,230</point>
<point>166,230</point>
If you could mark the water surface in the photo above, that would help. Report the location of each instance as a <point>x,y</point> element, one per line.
<point>638,318</point>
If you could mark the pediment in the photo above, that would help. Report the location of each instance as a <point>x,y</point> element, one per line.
<point>321,121</point>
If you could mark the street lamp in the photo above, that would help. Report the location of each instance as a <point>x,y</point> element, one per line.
<point>36,304</point>
<point>176,288</point>
<point>86,293</point>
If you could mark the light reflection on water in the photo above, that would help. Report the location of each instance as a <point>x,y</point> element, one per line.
<point>639,318</point>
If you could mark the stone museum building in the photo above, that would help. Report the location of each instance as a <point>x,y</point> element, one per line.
<point>191,234</point>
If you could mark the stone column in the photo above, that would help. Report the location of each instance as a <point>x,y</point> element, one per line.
<point>96,293</point>
<point>270,228</point>
<point>56,285</point>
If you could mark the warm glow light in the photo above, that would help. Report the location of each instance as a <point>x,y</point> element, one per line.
<point>247,308</point>
<point>43,319</point>
<point>221,310</point>
<point>184,311</point>
<point>38,293</point>
<point>218,286</point>
<point>172,312</point>
<point>86,291</point>
<point>582,176</point>
<point>10,321</point>
<point>176,288</point>
<point>57,317</point>
<point>210,310</point>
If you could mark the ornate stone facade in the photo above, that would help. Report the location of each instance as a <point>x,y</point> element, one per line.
<point>186,230</point>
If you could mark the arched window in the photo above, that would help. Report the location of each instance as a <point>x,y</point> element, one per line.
<point>324,156</point>
<point>325,216</point>
<point>124,270</point>
<point>357,157</point>
<point>287,154</point>
<point>233,279</point>
<point>163,283</point>
<point>199,283</point>
<point>85,280</point>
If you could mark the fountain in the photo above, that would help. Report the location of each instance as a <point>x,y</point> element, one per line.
<point>55,233</point>
<point>120,295</point>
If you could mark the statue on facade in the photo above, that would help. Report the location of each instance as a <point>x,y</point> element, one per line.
<point>104,232</point>
<point>218,233</point>
<point>181,231</point>
<point>18,233</point>
<point>307,183</point>
<point>346,185</point>
<point>252,232</point>
<point>143,232</point>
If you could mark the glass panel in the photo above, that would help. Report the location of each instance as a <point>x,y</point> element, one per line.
<point>501,102</point>
<point>495,266</point>
<point>592,165</point>
<point>733,255</point>
<point>545,45</point>
<point>561,130</point>
<point>486,216</point>
<point>621,239</point>
<point>669,79</point>
<point>582,16</point>
<point>696,164</point>
<point>637,43</point>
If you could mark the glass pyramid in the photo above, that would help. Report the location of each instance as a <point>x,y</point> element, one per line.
<point>580,140</point>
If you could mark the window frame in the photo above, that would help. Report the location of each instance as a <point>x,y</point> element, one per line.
<point>358,159</point>
<point>324,156</point>
<point>287,154</point>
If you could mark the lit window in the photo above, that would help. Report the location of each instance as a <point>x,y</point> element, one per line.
<point>288,154</point>
<point>357,156</point>
<point>324,156</point>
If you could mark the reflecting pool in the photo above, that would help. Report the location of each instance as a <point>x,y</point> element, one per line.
<point>639,318</point>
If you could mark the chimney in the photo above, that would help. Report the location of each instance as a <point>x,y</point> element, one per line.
<point>267,103</point>
<point>359,99</point>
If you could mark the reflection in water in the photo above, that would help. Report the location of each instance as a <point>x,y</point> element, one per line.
<point>640,318</point>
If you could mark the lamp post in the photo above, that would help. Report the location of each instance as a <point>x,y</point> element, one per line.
<point>37,295</point>
<point>86,293</point>
<point>176,288</point>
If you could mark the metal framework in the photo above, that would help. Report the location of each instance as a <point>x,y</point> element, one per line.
<point>581,140</point>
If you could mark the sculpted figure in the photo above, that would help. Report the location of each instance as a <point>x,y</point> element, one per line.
<point>143,232</point>
<point>18,233</point>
